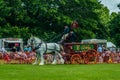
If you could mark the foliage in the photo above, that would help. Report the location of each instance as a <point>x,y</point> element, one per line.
<point>16,32</point>
<point>46,18</point>
<point>115,29</point>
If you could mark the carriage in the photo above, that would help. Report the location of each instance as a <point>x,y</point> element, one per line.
<point>83,52</point>
<point>78,53</point>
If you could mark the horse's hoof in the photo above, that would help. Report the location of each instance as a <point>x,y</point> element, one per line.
<point>62,62</point>
<point>41,64</point>
<point>53,63</point>
<point>34,63</point>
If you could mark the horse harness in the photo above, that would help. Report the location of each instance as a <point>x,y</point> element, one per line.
<point>39,46</point>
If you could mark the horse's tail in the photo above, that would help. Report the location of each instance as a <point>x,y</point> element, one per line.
<point>61,48</point>
<point>62,52</point>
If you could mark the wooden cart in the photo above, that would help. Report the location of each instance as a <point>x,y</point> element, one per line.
<point>77,53</point>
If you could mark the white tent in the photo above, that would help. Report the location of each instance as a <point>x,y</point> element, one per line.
<point>94,41</point>
<point>110,44</point>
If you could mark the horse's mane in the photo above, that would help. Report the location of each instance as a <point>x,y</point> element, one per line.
<point>38,39</point>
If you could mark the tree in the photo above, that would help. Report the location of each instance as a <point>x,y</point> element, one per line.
<point>41,17</point>
<point>115,29</point>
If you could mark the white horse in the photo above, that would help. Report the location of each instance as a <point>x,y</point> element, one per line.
<point>41,48</point>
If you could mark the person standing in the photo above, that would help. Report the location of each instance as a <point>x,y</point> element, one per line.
<point>3,50</point>
<point>17,45</point>
<point>5,55</point>
<point>100,49</point>
<point>14,49</point>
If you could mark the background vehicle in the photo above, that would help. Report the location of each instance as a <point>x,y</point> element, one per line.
<point>9,43</point>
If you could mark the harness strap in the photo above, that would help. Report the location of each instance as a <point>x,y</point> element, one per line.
<point>49,48</point>
<point>37,47</point>
<point>46,47</point>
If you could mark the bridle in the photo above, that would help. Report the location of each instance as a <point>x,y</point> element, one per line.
<point>32,44</point>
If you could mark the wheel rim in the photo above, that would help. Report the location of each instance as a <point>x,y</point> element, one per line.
<point>76,59</point>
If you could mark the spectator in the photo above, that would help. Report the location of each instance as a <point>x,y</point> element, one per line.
<point>103,48</point>
<point>17,47</point>
<point>3,50</point>
<point>29,49</point>
<point>14,49</point>
<point>100,49</point>
<point>25,48</point>
<point>74,24</point>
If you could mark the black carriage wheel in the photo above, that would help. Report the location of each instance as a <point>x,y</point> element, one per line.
<point>90,56</point>
<point>76,59</point>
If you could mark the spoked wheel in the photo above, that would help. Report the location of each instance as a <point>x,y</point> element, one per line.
<point>67,57</point>
<point>90,56</point>
<point>1,55</point>
<point>48,58</point>
<point>58,59</point>
<point>76,59</point>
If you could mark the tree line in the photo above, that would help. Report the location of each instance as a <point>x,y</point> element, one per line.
<point>46,18</point>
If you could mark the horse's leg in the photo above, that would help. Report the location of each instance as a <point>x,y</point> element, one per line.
<point>37,58</point>
<point>41,59</point>
<point>54,58</point>
<point>61,58</point>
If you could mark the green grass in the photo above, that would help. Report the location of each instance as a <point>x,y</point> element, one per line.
<point>60,72</point>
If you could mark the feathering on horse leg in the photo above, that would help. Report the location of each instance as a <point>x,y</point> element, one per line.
<point>36,60</point>
<point>61,58</point>
<point>41,59</point>
<point>54,58</point>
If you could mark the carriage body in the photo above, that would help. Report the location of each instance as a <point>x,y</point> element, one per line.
<point>78,53</point>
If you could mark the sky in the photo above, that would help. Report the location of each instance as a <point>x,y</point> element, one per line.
<point>111,4</point>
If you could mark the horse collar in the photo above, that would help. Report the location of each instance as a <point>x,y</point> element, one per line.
<point>37,47</point>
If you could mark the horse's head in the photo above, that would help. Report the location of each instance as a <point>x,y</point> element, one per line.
<point>34,42</point>
<point>30,41</point>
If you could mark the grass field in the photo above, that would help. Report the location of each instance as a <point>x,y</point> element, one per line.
<point>60,72</point>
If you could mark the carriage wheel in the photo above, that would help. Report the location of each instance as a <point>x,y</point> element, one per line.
<point>76,59</point>
<point>1,55</point>
<point>66,58</point>
<point>90,56</point>
<point>58,59</point>
<point>48,58</point>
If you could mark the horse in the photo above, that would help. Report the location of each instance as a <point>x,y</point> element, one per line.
<point>42,48</point>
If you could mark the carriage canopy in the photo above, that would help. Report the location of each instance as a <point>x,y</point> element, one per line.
<point>94,41</point>
<point>99,42</point>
